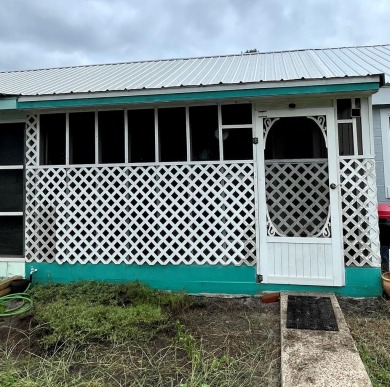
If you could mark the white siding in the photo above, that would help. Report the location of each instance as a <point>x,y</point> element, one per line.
<point>378,144</point>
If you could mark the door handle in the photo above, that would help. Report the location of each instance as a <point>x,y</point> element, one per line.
<point>333,186</point>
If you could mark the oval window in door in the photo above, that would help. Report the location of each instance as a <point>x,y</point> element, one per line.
<point>297,180</point>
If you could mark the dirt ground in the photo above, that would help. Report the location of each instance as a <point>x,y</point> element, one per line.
<point>241,329</point>
<point>228,342</point>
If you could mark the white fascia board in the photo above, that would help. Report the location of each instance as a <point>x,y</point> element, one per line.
<point>190,89</point>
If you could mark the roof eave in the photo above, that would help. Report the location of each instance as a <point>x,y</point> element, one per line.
<point>368,84</point>
<point>203,88</point>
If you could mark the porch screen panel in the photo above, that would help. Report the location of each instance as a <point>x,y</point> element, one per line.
<point>52,138</point>
<point>141,135</point>
<point>204,133</point>
<point>12,144</point>
<point>11,236</point>
<point>82,138</point>
<point>237,144</point>
<point>111,136</point>
<point>172,134</point>
<point>11,190</point>
<point>12,156</point>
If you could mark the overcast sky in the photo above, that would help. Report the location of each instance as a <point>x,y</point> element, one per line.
<point>51,33</point>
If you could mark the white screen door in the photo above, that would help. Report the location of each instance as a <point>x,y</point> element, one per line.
<point>299,220</point>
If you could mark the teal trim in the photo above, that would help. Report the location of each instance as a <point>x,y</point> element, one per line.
<point>7,103</point>
<point>199,96</point>
<point>196,279</point>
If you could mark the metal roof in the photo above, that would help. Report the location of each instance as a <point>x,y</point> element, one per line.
<point>203,71</point>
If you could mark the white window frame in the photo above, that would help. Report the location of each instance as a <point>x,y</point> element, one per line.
<point>156,136</point>
<point>385,129</point>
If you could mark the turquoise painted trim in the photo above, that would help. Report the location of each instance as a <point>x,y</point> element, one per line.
<point>197,96</point>
<point>7,103</point>
<point>196,279</point>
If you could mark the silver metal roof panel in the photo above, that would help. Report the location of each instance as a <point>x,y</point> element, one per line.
<point>206,71</point>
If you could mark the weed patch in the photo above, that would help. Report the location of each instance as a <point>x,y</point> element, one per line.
<point>94,311</point>
<point>101,293</point>
<point>369,323</point>
<point>80,322</point>
<point>101,335</point>
<point>12,380</point>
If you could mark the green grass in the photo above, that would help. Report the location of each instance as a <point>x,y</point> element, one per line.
<point>82,323</point>
<point>369,323</point>
<point>93,334</point>
<point>102,293</point>
<point>100,335</point>
<point>95,312</point>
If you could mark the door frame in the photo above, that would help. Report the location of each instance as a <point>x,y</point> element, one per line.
<point>334,194</point>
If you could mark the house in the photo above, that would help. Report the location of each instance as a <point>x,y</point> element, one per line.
<point>230,174</point>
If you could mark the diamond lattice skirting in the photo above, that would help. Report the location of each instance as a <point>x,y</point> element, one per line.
<point>359,212</point>
<point>166,214</point>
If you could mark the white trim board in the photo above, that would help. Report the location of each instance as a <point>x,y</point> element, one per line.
<point>385,129</point>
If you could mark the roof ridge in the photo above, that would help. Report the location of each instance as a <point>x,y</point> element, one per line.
<point>190,58</point>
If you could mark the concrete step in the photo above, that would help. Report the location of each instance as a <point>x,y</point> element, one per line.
<point>318,357</point>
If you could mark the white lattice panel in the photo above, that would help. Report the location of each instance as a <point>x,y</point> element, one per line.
<point>297,199</point>
<point>168,214</point>
<point>32,141</point>
<point>359,212</point>
<point>44,192</point>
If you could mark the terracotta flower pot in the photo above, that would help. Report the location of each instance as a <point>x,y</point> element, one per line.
<point>386,282</point>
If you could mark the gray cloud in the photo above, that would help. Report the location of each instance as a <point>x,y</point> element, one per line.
<point>41,33</point>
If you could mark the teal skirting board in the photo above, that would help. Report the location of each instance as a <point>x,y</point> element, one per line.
<point>198,279</point>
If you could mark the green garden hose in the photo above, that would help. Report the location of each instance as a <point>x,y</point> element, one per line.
<point>23,303</point>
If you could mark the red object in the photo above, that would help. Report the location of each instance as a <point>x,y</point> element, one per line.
<point>384,211</point>
<point>270,297</point>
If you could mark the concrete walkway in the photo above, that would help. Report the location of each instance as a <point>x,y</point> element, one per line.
<point>320,358</point>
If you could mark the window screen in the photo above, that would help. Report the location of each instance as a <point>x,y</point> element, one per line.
<point>82,138</point>
<point>111,136</point>
<point>237,144</point>
<point>204,133</point>
<point>11,236</point>
<point>237,114</point>
<point>141,135</point>
<point>172,134</point>
<point>344,109</point>
<point>12,144</point>
<point>52,139</point>
<point>11,190</point>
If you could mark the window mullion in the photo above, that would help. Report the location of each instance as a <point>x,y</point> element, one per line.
<point>156,137</point>
<point>220,142</point>
<point>188,134</point>
<point>67,148</point>
<point>126,137</point>
<point>96,139</point>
